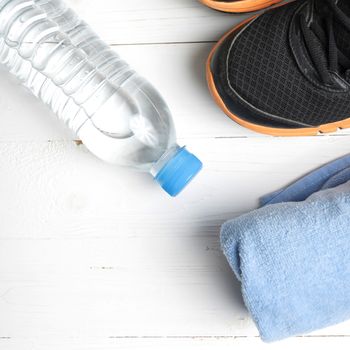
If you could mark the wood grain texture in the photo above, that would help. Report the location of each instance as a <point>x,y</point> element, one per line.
<point>45,185</point>
<point>154,21</point>
<point>80,253</point>
<point>175,343</point>
<point>177,70</point>
<point>97,257</point>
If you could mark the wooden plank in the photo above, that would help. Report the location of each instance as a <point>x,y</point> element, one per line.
<point>154,21</point>
<point>90,249</point>
<point>176,70</point>
<point>65,178</point>
<point>173,343</point>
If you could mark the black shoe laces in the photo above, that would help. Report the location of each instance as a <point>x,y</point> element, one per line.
<point>322,26</point>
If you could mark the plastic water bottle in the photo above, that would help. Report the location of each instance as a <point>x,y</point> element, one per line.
<point>117,114</point>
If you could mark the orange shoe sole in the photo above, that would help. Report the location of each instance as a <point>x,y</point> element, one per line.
<point>308,131</point>
<point>239,6</point>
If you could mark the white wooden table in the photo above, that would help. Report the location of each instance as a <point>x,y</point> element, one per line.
<point>96,257</point>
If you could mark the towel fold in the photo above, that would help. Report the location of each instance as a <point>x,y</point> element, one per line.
<point>331,175</point>
<point>293,258</point>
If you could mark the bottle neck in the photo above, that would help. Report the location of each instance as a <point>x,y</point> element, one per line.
<point>164,159</point>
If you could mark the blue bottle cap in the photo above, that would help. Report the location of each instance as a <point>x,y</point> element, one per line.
<point>178,172</point>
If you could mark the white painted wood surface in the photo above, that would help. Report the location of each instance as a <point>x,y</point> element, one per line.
<point>96,257</point>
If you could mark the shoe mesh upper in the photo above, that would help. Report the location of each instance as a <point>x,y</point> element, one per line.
<point>260,67</point>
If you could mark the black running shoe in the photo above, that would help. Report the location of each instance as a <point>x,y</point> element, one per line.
<point>286,72</point>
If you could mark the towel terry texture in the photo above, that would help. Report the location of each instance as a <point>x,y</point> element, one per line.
<point>293,257</point>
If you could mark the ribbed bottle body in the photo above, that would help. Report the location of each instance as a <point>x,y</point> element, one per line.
<point>118,114</point>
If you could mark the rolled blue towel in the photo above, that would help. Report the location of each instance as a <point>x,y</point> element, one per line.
<point>293,258</point>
